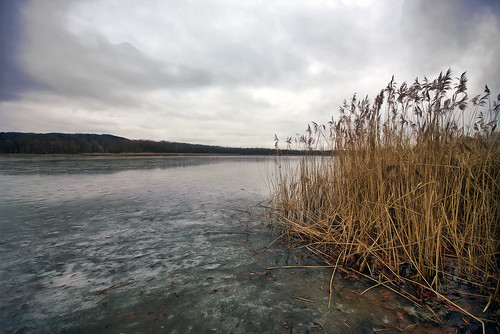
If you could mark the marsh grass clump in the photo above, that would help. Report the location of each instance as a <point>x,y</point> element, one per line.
<point>404,189</point>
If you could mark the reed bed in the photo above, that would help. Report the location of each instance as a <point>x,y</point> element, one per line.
<point>403,190</point>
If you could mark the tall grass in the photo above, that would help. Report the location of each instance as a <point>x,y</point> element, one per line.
<point>405,189</point>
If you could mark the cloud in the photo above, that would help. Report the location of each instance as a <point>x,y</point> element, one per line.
<point>12,77</point>
<point>90,66</point>
<point>230,73</point>
<point>457,34</point>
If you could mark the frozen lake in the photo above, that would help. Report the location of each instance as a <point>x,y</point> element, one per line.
<point>161,244</point>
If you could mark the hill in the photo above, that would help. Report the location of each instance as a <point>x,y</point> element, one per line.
<point>79,143</point>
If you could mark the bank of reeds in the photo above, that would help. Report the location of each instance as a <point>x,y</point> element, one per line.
<point>406,188</point>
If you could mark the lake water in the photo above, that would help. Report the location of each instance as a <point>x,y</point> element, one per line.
<point>164,245</point>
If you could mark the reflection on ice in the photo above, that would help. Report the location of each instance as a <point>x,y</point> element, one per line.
<point>77,165</point>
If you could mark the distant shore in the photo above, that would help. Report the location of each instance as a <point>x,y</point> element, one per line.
<point>142,154</point>
<point>110,145</point>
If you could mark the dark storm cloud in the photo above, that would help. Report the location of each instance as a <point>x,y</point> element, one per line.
<point>12,77</point>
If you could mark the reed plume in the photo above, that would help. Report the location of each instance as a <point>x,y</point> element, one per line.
<point>403,189</point>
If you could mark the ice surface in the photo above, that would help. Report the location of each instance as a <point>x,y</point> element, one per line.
<point>159,244</point>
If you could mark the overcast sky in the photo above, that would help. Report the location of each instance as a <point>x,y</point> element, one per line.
<point>225,72</point>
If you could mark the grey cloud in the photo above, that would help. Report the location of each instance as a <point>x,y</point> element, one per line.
<point>95,68</point>
<point>13,79</point>
<point>90,66</point>
<point>246,66</point>
<point>461,33</point>
<point>245,45</point>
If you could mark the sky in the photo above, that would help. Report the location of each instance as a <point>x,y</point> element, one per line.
<point>225,72</point>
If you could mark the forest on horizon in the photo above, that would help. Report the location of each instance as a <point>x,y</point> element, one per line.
<point>61,143</point>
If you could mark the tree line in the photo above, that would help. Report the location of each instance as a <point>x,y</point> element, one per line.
<point>61,143</point>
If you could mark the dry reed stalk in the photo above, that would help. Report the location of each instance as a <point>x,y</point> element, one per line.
<point>400,187</point>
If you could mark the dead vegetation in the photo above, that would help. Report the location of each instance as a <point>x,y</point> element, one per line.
<point>405,190</point>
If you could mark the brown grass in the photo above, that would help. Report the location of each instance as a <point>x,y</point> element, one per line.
<point>405,189</point>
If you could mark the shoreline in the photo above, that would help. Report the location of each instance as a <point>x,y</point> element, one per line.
<point>145,154</point>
